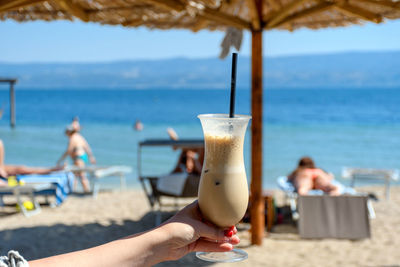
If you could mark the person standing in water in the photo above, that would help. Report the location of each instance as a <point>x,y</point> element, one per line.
<point>138,126</point>
<point>80,152</point>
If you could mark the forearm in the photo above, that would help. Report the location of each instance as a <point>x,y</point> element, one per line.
<point>143,250</point>
<point>89,152</point>
<point>88,149</point>
<point>183,233</point>
<point>63,157</point>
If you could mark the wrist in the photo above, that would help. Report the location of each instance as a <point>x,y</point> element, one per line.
<point>163,243</point>
<point>157,246</point>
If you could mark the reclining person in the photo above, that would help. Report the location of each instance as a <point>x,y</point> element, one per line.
<point>12,170</point>
<point>190,159</point>
<point>307,177</point>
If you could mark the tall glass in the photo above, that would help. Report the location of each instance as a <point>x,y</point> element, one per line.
<point>223,190</point>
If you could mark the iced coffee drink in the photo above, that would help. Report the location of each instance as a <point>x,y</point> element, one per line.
<point>223,190</point>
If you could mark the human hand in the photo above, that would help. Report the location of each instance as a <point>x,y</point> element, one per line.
<point>187,232</point>
<point>92,160</point>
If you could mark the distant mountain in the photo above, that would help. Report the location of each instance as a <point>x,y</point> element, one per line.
<point>344,70</point>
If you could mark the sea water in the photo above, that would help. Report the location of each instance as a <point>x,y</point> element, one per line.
<point>336,127</point>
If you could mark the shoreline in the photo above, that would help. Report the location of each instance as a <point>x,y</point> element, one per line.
<point>83,222</point>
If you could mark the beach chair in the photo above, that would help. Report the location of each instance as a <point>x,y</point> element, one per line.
<point>342,217</point>
<point>57,184</point>
<point>361,174</point>
<point>96,173</point>
<point>20,192</point>
<point>172,185</point>
<point>322,216</point>
<point>291,195</point>
<point>61,185</point>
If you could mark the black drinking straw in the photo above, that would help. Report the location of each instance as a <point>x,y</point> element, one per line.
<point>233,86</point>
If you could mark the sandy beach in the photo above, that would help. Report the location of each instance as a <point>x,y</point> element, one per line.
<point>83,222</point>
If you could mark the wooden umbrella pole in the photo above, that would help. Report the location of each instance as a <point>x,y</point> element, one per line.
<point>12,104</point>
<point>257,201</point>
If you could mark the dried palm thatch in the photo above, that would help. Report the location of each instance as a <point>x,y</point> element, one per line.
<point>206,14</point>
<point>230,15</point>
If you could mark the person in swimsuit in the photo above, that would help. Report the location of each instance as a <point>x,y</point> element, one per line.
<point>138,126</point>
<point>79,151</point>
<point>13,170</point>
<point>307,177</point>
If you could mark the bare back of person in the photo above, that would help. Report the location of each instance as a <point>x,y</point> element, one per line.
<point>79,151</point>
<point>77,146</point>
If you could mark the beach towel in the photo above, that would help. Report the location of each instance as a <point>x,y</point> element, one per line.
<point>63,184</point>
<point>13,259</point>
<point>344,216</point>
<point>172,183</point>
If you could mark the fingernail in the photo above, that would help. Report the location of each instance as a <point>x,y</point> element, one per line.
<point>227,239</point>
<point>228,233</point>
<point>231,240</point>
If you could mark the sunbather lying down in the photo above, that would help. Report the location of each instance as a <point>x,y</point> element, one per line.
<point>307,177</point>
<point>12,170</point>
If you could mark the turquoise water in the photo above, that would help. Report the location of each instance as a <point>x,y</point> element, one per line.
<point>338,128</point>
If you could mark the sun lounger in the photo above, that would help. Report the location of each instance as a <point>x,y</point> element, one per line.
<point>170,185</point>
<point>382,175</point>
<point>95,173</point>
<point>343,217</point>
<point>57,184</point>
<point>62,184</point>
<point>28,190</point>
<point>323,216</point>
<point>291,195</point>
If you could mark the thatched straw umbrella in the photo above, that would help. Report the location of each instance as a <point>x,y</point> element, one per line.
<point>252,15</point>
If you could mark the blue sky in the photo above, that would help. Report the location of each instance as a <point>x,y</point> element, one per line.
<point>65,41</point>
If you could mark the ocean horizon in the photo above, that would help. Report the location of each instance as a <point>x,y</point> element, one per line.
<point>331,70</point>
<point>337,127</point>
